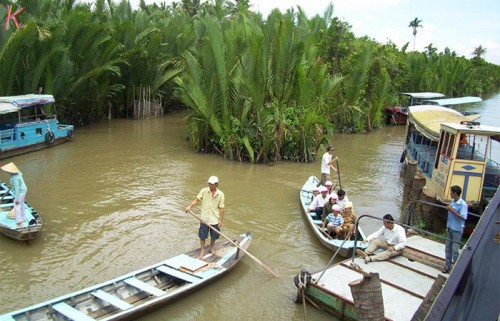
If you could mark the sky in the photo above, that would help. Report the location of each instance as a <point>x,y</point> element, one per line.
<point>460,25</point>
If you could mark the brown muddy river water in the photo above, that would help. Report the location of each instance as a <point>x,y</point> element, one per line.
<point>112,202</point>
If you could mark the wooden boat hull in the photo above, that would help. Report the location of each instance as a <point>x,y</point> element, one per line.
<point>405,281</point>
<point>396,115</point>
<point>142,291</point>
<point>345,249</point>
<point>8,226</point>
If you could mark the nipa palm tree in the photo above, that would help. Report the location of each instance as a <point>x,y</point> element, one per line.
<point>479,52</point>
<point>415,24</point>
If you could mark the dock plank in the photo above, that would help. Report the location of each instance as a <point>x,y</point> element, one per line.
<point>398,305</point>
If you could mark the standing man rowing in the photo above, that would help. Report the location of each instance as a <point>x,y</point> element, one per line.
<point>212,212</point>
<point>326,163</point>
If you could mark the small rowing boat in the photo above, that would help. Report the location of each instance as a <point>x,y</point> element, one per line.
<point>345,248</point>
<point>8,226</point>
<point>136,293</point>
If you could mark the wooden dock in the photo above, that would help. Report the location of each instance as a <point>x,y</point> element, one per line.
<point>405,282</point>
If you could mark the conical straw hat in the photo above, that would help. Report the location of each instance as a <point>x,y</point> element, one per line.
<point>10,168</point>
<point>11,214</point>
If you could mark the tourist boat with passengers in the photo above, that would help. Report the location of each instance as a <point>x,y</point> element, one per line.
<point>398,113</point>
<point>25,126</point>
<point>344,247</point>
<point>451,149</point>
<point>137,293</point>
<point>8,225</point>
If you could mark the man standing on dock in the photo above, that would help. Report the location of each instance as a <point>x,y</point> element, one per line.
<point>457,214</point>
<point>212,212</point>
<point>390,237</point>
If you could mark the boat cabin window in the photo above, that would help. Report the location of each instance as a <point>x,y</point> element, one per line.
<point>474,147</point>
<point>445,146</point>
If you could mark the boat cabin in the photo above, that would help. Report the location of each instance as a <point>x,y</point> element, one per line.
<point>26,125</point>
<point>451,149</point>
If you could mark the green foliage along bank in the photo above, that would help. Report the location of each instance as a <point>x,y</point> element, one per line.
<point>256,88</point>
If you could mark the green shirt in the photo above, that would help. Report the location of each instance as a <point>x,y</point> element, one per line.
<point>210,205</point>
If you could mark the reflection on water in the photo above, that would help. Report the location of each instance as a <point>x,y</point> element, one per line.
<point>112,201</point>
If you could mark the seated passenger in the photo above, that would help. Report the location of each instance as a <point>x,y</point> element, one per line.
<point>390,237</point>
<point>315,193</point>
<point>328,207</point>
<point>318,202</point>
<point>342,199</point>
<point>349,220</point>
<point>334,222</point>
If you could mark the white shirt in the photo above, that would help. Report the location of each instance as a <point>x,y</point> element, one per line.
<point>325,163</point>
<point>395,237</point>
<point>318,201</point>
<point>341,202</point>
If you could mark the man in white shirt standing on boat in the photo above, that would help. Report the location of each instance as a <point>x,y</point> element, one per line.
<point>390,237</point>
<point>326,163</point>
<point>212,212</point>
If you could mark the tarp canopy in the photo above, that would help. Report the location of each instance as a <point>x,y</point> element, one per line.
<point>12,104</point>
<point>428,119</point>
<point>452,101</point>
<point>423,95</point>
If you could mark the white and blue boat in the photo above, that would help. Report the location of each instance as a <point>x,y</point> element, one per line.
<point>25,126</point>
<point>8,225</point>
<point>344,248</point>
<point>137,293</point>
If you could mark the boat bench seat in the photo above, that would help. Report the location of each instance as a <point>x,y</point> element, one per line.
<point>178,274</point>
<point>71,313</point>
<point>317,222</point>
<point>144,286</point>
<point>7,204</point>
<point>109,298</point>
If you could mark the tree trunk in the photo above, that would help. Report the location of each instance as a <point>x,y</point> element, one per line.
<point>367,296</point>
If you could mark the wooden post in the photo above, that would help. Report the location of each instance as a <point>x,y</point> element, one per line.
<point>426,304</point>
<point>367,296</point>
<point>409,174</point>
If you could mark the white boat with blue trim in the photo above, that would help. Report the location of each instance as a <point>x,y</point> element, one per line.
<point>344,247</point>
<point>25,126</point>
<point>142,291</point>
<point>8,225</point>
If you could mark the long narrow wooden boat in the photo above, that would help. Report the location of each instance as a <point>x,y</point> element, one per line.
<point>8,226</point>
<point>25,126</point>
<point>405,281</point>
<point>398,113</point>
<point>139,292</point>
<point>346,248</point>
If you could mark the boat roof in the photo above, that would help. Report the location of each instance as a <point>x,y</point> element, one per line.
<point>10,104</point>
<point>424,95</point>
<point>428,119</point>
<point>453,101</point>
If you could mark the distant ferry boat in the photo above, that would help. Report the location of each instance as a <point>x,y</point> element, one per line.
<point>399,114</point>
<point>450,149</point>
<point>24,126</point>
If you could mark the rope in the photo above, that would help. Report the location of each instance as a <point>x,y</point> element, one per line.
<point>301,285</point>
<point>335,254</point>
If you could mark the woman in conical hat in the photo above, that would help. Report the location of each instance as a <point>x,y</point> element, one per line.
<point>19,190</point>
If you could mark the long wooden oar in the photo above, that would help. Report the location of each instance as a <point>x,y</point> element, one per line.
<point>265,266</point>
<point>338,172</point>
